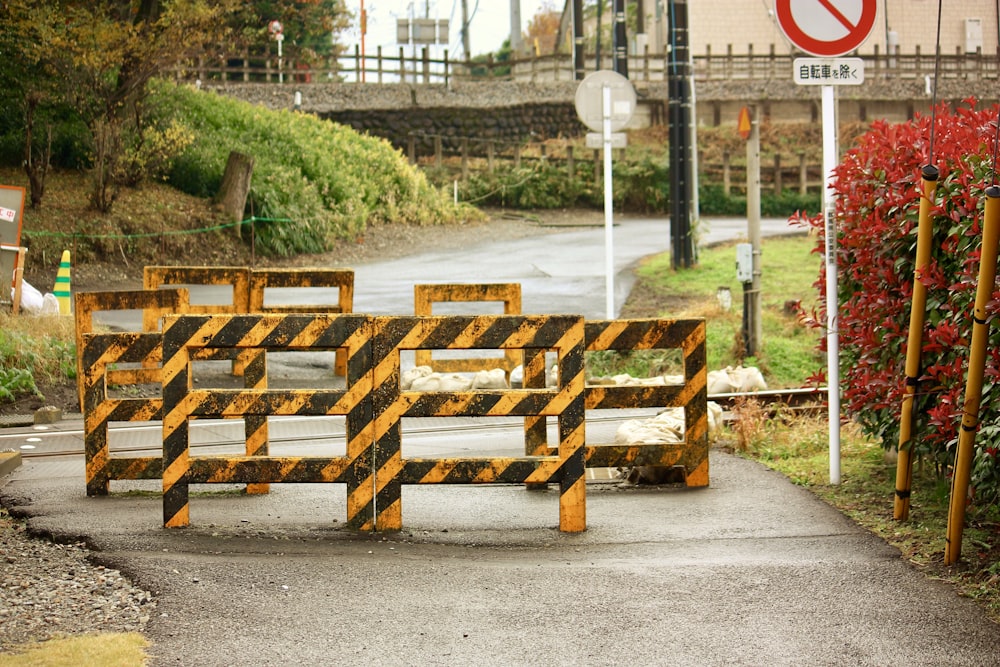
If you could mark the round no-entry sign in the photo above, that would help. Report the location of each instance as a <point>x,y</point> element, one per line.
<point>826,28</point>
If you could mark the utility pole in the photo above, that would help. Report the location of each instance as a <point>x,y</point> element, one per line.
<point>579,66</point>
<point>516,43</point>
<point>679,132</point>
<point>466,49</point>
<point>620,39</point>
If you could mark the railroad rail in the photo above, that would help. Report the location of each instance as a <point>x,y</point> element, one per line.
<point>800,401</point>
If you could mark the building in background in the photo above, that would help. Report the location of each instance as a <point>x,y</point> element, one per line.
<point>750,25</point>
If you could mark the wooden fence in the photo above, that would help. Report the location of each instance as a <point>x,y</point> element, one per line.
<point>465,155</point>
<point>409,66</point>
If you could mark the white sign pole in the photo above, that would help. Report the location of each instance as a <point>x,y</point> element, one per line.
<point>609,255</point>
<point>832,338</point>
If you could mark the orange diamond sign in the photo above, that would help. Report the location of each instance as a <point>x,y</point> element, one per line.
<point>743,124</point>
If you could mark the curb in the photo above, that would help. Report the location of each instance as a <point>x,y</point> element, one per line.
<point>9,462</point>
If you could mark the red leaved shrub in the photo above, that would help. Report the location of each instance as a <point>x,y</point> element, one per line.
<point>878,191</point>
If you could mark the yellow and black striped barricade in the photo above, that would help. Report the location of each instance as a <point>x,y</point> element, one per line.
<point>153,304</point>
<point>565,464</point>
<point>99,354</point>
<point>643,334</point>
<point>183,339</point>
<point>237,278</point>
<point>424,298</point>
<point>343,279</point>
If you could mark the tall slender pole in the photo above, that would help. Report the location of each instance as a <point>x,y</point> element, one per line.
<point>364,30</point>
<point>918,306</point>
<point>579,66</point>
<point>974,380</point>
<point>466,52</point>
<point>832,336</point>
<point>609,254</point>
<point>752,311</point>
<point>620,39</point>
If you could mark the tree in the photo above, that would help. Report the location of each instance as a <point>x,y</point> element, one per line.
<point>310,27</point>
<point>543,28</point>
<point>97,57</point>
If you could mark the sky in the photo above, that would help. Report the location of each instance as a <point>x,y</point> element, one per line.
<point>489,19</point>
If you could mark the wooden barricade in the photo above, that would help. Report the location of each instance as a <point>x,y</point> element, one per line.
<point>186,337</point>
<point>424,298</point>
<point>342,279</point>
<point>100,353</point>
<point>153,304</point>
<point>564,464</point>
<point>644,334</point>
<point>235,277</point>
<point>12,295</point>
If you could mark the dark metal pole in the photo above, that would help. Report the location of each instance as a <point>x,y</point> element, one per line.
<point>579,66</point>
<point>679,133</point>
<point>600,12</point>
<point>620,39</point>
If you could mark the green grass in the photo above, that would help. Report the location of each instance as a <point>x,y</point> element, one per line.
<point>788,350</point>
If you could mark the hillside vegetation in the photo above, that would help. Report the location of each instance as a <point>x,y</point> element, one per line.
<point>314,183</point>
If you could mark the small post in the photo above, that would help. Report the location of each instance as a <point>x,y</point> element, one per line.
<point>465,159</point>
<point>727,176</point>
<point>570,163</point>
<point>777,174</point>
<point>438,151</point>
<point>803,175</point>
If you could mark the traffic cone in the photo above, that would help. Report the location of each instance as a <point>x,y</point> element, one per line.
<point>62,286</point>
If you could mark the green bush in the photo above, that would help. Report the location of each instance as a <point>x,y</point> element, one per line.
<point>313,180</point>
<point>712,201</point>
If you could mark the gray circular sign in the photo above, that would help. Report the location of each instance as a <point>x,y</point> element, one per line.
<point>590,100</point>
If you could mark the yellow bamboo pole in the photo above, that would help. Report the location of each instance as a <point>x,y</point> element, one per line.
<point>974,379</point>
<point>904,461</point>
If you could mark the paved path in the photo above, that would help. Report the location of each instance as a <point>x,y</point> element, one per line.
<point>750,571</point>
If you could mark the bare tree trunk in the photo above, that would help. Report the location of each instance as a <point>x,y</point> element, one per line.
<point>36,172</point>
<point>232,195</point>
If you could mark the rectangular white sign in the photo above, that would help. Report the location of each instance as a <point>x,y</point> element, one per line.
<point>596,140</point>
<point>828,71</point>
<point>7,214</point>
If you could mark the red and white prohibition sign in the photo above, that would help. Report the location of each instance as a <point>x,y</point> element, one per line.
<point>826,28</point>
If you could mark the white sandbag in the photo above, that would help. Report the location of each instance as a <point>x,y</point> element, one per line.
<point>714,419</point>
<point>491,379</point>
<point>32,300</point>
<point>407,377</point>
<point>440,382</point>
<point>50,304</point>
<point>666,427</point>
<point>748,379</point>
<point>719,382</point>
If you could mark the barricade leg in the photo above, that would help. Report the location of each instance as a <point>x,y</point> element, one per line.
<point>255,426</point>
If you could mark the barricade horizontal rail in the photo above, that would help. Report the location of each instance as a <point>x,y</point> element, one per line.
<point>249,288</point>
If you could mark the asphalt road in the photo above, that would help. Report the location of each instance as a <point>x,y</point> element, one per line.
<point>749,571</point>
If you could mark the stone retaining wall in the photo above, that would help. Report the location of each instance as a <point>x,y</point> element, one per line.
<point>508,111</point>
